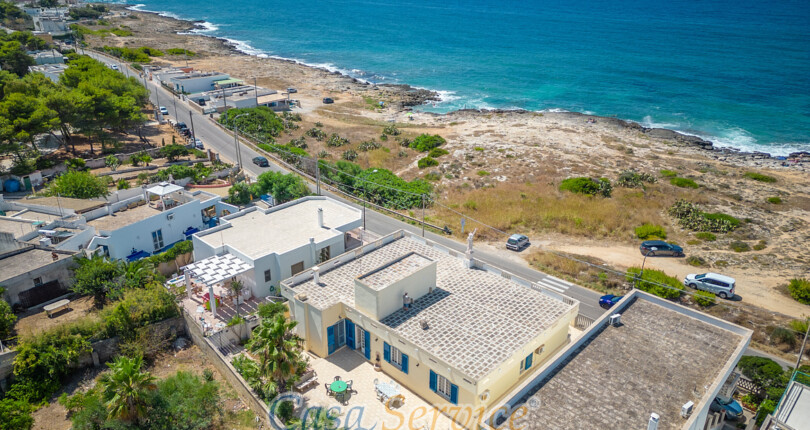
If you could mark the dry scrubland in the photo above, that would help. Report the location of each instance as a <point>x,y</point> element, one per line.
<point>504,169</point>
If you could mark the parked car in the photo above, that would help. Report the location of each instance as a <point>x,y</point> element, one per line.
<point>516,242</point>
<point>180,125</point>
<point>261,162</point>
<point>659,247</point>
<point>292,90</point>
<point>114,66</point>
<point>732,407</point>
<point>328,100</point>
<point>163,110</point>
<point>198,143</point>
<point>607,301</point>
<point>720,285</point>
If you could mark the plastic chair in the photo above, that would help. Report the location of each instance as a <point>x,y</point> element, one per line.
<point>376,381</point>
<point>337,378</point>
<point>328,390</point>
<point>349,385</point>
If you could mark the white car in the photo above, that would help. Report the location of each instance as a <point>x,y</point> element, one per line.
<point>198,144</point>
<point>720,285</point>
<point>163,110</point>
<point>114,66</point>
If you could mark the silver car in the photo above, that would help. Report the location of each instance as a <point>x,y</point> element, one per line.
<point>516,242</point>
<point>720,285</point>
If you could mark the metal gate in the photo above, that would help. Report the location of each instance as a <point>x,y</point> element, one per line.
<point>42,293</point>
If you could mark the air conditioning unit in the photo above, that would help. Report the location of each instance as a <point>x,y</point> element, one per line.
<point>615,319</point>
<point>170,216</point>
<point>540,349</point>
<point>686,409</point>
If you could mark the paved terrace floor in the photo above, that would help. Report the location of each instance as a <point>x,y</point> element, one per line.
<point>225,312</point>
<point>350,365</point>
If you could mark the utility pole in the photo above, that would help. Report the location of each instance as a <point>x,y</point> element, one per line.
<point>191,119</point>
<point>255,91</point>
<point>804,342</point>
<point>317,178</point>
<point>423,215</point>
<point>641,273</point>
<point>236,145</point>
<point>174,101</point>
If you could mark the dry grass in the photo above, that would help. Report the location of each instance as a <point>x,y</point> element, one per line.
<point>581,273</point>
<point>531,208</point>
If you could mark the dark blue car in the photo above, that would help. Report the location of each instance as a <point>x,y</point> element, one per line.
<point>652,248</point>
<point>607,301</point>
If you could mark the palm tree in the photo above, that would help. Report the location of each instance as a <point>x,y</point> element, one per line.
<point>124,388</point>
<point>236,286</point>
<point>277,348</point>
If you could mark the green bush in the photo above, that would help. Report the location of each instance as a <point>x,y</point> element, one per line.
<point>171,254</point>
<point>765,408</point>
<point>16,414</point>
<point>437,152</point>
<point>647,231</point>
<point>368,145</point>
<point>283,187</point>
<point>260,122</point>
<point>349,155</point>
<point>703,298</point>
<point>690,217</point>
<point>672,289</point>
<point>426,142</point>
<point>7,317</point>
<point>180,51</point>
<point>705,235</point>
<point>760,245</point>
<point>775,200</point>
<point>633,179</point>
<point>718,216</point>
<point>694,260</point>
<point>391,130</point>
<point>782,335</point>
<point>587,186</point>
<point>762,371</point>
<point>122,184</point>
<point>759,177</point>
<point>668,173</point>
<point>684,183</point>
<point>78,185</point>
<point>799,289</point>
<point>739,246</point>
<point>337,141</point>
<point>427,162</point>
<point>173,152</point>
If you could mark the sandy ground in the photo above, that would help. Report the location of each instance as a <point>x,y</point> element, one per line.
<point>491,152</point>
<point>36,320</point>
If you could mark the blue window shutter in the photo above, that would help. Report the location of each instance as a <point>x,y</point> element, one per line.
<point>350,334</point>
<point>404,364</point>
<point>454,394</point>
<point>386,352</point>
<point>529,360</point>
<point>330,338</point>
<point>368,345</point>
<point>433,381</point>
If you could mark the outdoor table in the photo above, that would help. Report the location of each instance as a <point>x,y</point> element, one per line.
<point>387,390</point>
<point>338,387</point>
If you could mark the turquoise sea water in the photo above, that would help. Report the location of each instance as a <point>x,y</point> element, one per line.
<point>734,71</point>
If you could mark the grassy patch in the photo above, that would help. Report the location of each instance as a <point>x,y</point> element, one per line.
<point>759,177</point>
<point>703,298</point>
<point>775,200</point>
<point>437,152</point>
<point>684,183</point>
<point>647,231</point>
<point>760,245</point>
<point>724,217</point>
<point>694,260</point>
<point>651,279</point>
<point>483,173</point>
<point>427,162</point>
<point>799,289</point>
<point>668,173</point>
<point>587,186</point>
<point>705,235</point>
<point>479,149</point>
<point>739,246</point>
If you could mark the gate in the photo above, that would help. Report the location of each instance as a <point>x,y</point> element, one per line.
<point>42,293</point>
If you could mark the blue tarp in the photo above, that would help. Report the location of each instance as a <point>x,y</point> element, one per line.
<point>137,255</point>
<point>189,231</point>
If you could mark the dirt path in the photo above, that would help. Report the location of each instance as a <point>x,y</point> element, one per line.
<point>754,287</point>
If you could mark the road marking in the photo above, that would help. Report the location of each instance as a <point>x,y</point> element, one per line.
<point>547,283</point>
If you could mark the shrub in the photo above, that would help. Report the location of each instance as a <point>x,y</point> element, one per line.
<point>122,184</point>
<point>781,335</point>
<point>694,260</point>
<point>426,142</point>
<point>587,186</point>
<point>775,200</point>
<point>739,246</point>
<point>765,408</point>
<point>76,164</point>
<point>705,235</point>
<point>759,177</point>
<point>260,122</point>
<point>632,179</point>
<point>427,162</point>
<point>760,245</point>
<point>432,176</point>
<point>349,155</point>
<point>799,289</point>
<point>180,51</point>
<point>335,140</point>
<point>647,231</point>
<point>316,133</point>
<point>479,148</point>
<point>703,298</point>
<point>683,183</point>
<point>690,217</point>
<point>391,130</point>
<point>16,414</point>
<point>656,282</point>
<point>471,204</point>
<point>78,185</point>
<point>173,152</point>
<point>437,152</point>
<point>668,173</point>
<point>368,145</point>
<point>734,222</point>
<point>483,173</point>
<point>7,318</point>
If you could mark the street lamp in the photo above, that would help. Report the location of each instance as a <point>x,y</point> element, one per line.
<point>641,273</point>
<point>236,140</point>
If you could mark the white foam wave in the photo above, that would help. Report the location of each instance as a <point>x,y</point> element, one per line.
<point>447,96</point>
<point>243,47</point>
<point>140,7</point>
<point>555,110</point>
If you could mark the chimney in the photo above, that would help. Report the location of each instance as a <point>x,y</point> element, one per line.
<point>320,217</point>
<point>653,423</point>
<point>315,272</point>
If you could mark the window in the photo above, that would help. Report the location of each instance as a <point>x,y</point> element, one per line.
<point>396,357</point>
<point>297,268</point>
<point>361,339</point>
<point>526,363</point>
<point>37,282</point>
<point>157,239</point>
<point>267,275</point>
<point>323,255</point>
<point>443,386</point>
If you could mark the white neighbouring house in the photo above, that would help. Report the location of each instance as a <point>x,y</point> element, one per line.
<point>281,241</point>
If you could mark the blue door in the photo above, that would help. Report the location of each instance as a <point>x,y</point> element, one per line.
<point>350,334</point>
<point>336,336</point>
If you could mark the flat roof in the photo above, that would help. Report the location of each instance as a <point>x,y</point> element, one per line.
<point>78,205</point>
<point>17,227</point>
<point>228,81</point>
<point>656,360</point>
<point>395,270</point>
<point>259,232</point>
<point>23,262</point>
<point>123,218</point>
<point>794,408</point>
<point>477,319</point>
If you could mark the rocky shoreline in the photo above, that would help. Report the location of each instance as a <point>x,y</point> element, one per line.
<point>405,97</point>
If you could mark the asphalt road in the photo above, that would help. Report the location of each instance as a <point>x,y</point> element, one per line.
<point>221,142</point>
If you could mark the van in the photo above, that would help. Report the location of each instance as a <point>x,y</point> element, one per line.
<point>719,285</point>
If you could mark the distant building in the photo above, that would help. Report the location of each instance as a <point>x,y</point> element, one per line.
<point>453,330</point>
<point>53,21</point>
<point>33,275</point>
<point>281,241</point>
<point>52,71</point>
<point>196,82</point>
<point>238,96</point>
<point>793,410</point>
<point>48,57</point>
<point>658,365</point>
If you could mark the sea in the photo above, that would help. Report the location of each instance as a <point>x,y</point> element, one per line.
<point>736,72</point>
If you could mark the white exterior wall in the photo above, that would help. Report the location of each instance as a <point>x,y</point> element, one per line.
<point>139,235</point>
<point>198,84</point>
